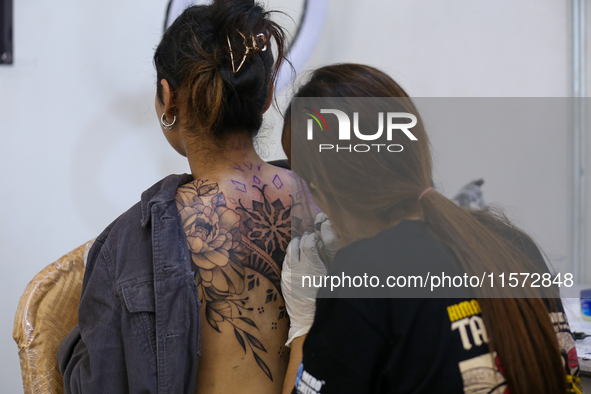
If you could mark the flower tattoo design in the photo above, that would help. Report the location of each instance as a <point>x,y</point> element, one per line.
<point>222,242</point>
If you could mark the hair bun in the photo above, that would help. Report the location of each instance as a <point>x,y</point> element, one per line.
<point>218,60</point>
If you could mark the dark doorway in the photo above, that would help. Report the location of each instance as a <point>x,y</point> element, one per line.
<point>6,50</point>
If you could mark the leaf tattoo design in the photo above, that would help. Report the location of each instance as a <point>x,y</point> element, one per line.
<point>248,321</point>
<point>282,313</point>
<point>255,342</point>
<point>263,366</point>
<point>240,339</point>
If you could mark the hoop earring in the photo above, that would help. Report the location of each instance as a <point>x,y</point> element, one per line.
<point>165,124</point>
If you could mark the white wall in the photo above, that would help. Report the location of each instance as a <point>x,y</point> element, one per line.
<point>80,140</point>
<point>79,136</point>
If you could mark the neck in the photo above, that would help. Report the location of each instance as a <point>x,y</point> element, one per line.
<point>211,160</point>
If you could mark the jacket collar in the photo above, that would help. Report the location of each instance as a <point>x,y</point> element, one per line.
<point>163,191</point>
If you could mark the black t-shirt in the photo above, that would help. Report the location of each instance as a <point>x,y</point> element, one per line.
<point>407,345</point>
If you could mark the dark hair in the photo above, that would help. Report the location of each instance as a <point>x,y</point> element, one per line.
<point>520,329</point>
<point>194,57</point>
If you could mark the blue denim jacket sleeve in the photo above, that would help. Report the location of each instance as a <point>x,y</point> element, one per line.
<point>92,359</point>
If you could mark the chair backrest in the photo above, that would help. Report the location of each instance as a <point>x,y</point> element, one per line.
<point>47,311</point>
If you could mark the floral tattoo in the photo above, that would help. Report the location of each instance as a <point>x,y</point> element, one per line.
<point>222,243</point>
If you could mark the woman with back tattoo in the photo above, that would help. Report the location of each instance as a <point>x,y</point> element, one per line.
<point>182,292</point>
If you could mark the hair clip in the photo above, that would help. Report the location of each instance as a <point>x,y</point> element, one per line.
<point>255,44</point>
<point>254,48</point>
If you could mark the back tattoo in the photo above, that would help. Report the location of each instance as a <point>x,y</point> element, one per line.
<point>235,245</point>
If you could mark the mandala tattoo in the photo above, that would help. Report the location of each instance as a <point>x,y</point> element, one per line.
<point>222,243</point>
<point>269,228</point>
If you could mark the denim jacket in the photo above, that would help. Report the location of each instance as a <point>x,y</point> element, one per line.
<point>138,321</point>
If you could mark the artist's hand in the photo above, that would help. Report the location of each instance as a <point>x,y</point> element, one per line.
<point>303,258</point>
<point>328,242</point>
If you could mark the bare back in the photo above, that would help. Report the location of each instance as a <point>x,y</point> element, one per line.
<point>237,231</point>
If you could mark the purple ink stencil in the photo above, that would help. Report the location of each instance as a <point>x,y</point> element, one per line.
<point>291,174</point>
<point>259,166</point>
<point>241,187</point>
<point>247,166</point>
<point>238,168</point>
<point>277,182</point>
<point>231,200</point>
<point>298,195</point>
<point>256,180</point>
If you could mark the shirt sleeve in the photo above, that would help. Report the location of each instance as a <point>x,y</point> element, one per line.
<point>91,357</point>
<point>343,350</point>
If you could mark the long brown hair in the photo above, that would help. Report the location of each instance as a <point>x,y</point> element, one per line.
<point>520,329</point>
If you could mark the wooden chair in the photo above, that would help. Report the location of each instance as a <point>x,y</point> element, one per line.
<point>47,311</point>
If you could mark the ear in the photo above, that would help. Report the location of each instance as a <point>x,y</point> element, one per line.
<point>167,97</point>
<point>270,100</point>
